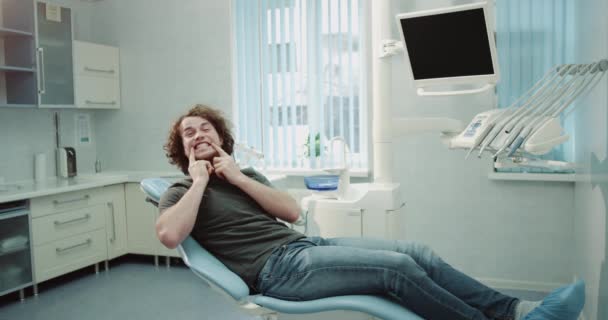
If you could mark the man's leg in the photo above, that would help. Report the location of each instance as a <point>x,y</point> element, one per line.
<point>303,271</point>
<point>492,303</point>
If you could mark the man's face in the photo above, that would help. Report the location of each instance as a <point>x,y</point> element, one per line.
<point>199,133</point>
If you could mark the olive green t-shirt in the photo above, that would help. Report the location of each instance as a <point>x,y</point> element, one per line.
<point>232,225</point>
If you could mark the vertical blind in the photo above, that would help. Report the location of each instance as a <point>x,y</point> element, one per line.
<point>299,80</point>
<point>533,36</point>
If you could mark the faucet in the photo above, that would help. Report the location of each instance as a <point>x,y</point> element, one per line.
<point>343,172</point>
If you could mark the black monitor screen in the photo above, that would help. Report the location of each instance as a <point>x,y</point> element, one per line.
<point>445,45</point>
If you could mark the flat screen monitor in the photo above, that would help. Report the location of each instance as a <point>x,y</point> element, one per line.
<point>452,45</point>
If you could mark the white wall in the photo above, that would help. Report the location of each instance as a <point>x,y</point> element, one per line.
<point>25,132</point>
<point>176,55</point>
<point>515,232</point>
<point>172,56</point>
<point>591,191</point>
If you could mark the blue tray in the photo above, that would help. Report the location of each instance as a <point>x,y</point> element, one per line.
<point>322,183</point>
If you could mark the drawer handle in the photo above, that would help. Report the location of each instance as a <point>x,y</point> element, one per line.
<point>110,103</point>
<point>57,202</point>
<point>110,71</point>
<point>62,250</point>
<point>59,223</point>
<point>111,206</point>
<point>393,210</point>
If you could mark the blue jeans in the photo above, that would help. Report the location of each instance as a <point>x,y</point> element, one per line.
<point>410,273</point>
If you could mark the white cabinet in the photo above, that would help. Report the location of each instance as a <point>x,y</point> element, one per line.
<point>341,222</point>
<point>116,220</point>
<point>54,35</point>
<point>76,229</point>
<point>36,54</point>
<point>141,221</point>
<point>15,248</point>
<point>370,210</point>
<point>62,256</point>
<point>65,224</point>
<point>96,76</point>
<point>18,77</point>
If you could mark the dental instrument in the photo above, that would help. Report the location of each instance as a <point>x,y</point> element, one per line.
<point>514,111</point>
<point>552,112</point>
<point>531,125</point>
<point>533,112</point>
<point>539,126</point>
<point>508,124</point>
<point>490,123</point>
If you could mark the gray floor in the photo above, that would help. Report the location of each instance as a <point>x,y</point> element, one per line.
<point>132,289</point>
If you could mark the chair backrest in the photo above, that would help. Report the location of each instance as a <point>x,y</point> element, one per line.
<point>154,188</point>
<point>199,260</point>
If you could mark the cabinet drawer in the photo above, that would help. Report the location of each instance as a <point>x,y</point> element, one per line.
<point>66,255</point>
<point>97,92</point>
<point>93,59</point>
<point>65,201</point>
<point>62,225</point>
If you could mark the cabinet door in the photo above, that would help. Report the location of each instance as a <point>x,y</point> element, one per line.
<point>116,221</point>
<point>54,49</point>
<point>97,92</point>
<point>96,76</point>
<point>141,225</point>
<point>141,231</point>
<point>334,222</point>
<point>96,60</point>
<point>15,254</point>
<point>18,86</point>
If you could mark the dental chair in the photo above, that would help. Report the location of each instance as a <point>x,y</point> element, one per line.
<point>221,279</point>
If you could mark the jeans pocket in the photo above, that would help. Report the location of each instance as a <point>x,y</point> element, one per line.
<point>271,263</point>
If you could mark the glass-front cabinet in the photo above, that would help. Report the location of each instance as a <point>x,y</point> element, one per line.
<point>15,250</point>
<point>18,73</point>
<point>54,53</point>
<point>36,68</point>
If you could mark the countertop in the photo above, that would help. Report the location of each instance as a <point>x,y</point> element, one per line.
<point>20,190</point>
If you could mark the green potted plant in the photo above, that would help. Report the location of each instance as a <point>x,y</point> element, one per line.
<point>317,147</point>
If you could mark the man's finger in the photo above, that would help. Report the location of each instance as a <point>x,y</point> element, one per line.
<point>220,172</point>
<point>209,168</point>
<point>219,150</point>
<point>191,157</point>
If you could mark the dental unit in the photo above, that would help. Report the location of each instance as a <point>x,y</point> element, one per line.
<point>531,125</point>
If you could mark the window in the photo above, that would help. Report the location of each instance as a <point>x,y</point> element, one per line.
<point>299,80</point>
<point>532,37</point>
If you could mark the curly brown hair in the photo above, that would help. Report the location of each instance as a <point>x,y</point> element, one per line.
<point>174,148</point>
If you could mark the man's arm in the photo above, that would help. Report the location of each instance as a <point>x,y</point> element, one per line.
<point>176,222</point>
<point>277,203</point>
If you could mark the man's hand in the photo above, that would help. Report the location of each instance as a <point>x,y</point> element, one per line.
<point>225,167</point>
<point>199,169</point>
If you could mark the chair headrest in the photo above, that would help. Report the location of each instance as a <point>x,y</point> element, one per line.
<point>154,187</point>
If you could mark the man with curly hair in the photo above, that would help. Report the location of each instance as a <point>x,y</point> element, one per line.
<point>233,214</point>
